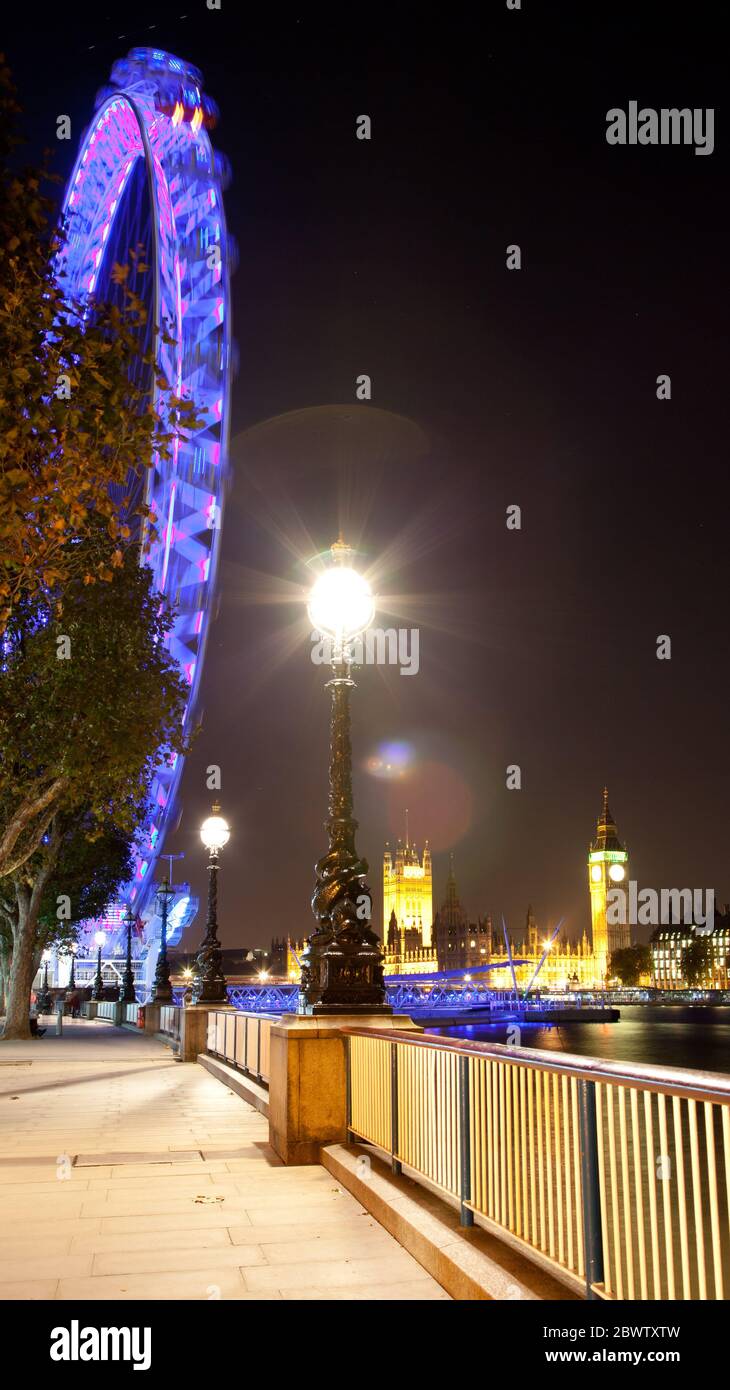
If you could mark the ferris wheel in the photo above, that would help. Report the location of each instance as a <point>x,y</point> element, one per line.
<point>147,175</point>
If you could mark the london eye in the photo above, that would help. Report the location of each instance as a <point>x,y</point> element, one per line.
<point>146,175</point>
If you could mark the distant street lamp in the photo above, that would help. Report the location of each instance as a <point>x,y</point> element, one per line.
<point>44,1001</point>
<point>98,990</point>
<point>162,987</point>
<point>209,983</point>
<point>72,973</point>
<point>342,969</point>
<point>128,993</point>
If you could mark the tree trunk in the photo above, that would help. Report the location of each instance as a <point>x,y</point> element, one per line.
<point>6,955</point>
<point>25,942</point>
<point>17,1015</point>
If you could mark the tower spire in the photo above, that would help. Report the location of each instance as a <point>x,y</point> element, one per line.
<point>407,835</point>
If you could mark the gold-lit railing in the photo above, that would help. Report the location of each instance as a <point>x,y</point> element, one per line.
<point>615,1177</point>
<point>242,1039</point>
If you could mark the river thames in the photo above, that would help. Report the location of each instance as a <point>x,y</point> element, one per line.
<point>677,1037</point>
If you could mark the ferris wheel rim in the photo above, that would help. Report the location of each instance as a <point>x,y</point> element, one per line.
<point>169,479</point>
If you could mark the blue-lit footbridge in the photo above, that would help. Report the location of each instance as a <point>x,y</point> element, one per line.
<point>431,993</point>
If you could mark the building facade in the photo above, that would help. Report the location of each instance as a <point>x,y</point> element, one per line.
<point>685,957</point>
<point>451,941</point>
<point>408,896</point>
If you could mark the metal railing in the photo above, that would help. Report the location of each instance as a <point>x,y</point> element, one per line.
<point>131,1013</point>
<point>614,1176</point>
<point>242,1039</point>
<point>106,1009</point>
<point>170,1020</point>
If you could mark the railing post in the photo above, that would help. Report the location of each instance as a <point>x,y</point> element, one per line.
<point>395,1162</point>
<point>466,1217</point>
<point>258,1048</point>
<point>590,1187</point>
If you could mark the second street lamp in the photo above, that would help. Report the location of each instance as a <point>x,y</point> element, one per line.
<point>162,987</point>
<point>209,983</point>
<point>72,973</point>
<point>128,993</point>
<point>98,990</point>
<point>44,1000</point>
<point>343,964</point>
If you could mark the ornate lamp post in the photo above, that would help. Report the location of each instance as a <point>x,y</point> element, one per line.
<point>72,973</point>
<point>98,990</point>
<point>128,994</point>
<point>162,988</point>
<point>209,983</point>
<point>342,971</point>
<point>45,1002</point>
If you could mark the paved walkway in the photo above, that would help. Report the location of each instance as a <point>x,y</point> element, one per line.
<point>126,1174</point>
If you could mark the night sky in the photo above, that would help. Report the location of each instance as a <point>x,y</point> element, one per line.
<point>490,388</point>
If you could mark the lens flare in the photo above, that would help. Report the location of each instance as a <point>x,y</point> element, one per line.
<point>391,760</point>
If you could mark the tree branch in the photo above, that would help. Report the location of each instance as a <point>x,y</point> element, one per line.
<point>10,863</point>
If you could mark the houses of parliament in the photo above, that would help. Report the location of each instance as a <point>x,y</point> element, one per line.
<point>417,942</point>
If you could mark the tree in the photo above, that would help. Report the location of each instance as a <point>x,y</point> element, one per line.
<point>90,702</point>
<point>89,699</point>
<point>75,409</point>
<point>697,960</point>
<point>629,964</point>
<point>78,866</point>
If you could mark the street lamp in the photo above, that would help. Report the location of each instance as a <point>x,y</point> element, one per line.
<point>342,969</point>
<point>209,984</point>
<point>98,990</point>
<point>128,993</point>
<point>162,987</point>
<point>73,948</point>
<point>44,1001</point>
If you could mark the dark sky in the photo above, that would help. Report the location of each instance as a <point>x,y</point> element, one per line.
<point>490,388</point>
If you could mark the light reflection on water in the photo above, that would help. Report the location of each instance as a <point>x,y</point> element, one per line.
<point>678,1037</point>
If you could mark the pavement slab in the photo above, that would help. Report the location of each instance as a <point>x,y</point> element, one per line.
<point>126,1174</point>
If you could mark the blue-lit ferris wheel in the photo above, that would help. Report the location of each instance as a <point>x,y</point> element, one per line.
<point>146,174</point>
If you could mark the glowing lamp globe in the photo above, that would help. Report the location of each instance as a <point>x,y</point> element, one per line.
<point>341,604</point>
<point>100,938</point>
<point>214,832</point>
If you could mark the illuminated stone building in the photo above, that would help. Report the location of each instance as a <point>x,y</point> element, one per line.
<point>286,958</point>
<point>450,941</point>
<point>669,943</point>
<point>459,943</point>
<point>607,868</point>
<point>408,896</point>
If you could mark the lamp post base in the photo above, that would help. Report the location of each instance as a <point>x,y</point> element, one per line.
<point>209,982</point>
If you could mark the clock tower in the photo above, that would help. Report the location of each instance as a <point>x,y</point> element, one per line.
<point>607,868</point>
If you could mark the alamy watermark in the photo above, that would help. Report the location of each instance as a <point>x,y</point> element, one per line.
<point>670,125</point>
<point>79,1343</point>
<point>388,646</point>
<point>644,907</point>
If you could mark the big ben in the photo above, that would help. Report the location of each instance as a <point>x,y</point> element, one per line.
<point>607,869</point>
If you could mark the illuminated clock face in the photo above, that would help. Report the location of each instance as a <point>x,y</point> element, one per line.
<point>617,872</point>
<point>596,873</point>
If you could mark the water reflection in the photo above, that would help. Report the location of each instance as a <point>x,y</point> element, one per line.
<point>678,1037</point>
